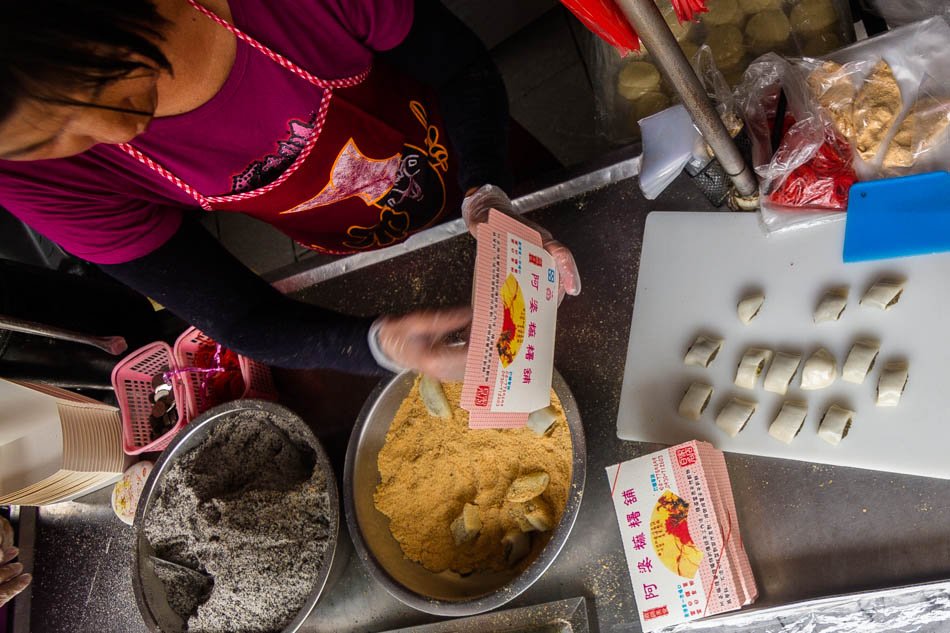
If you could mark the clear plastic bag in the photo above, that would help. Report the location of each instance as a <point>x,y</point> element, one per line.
<point>922,140</point>
<point>806,180</point>
<point>918,57</point>
<point>888,97</point>
<point>900,12</point>
<point>718,89</point>
<point>813,170</point>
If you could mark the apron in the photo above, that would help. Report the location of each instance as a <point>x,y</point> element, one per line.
<point>379,173</point>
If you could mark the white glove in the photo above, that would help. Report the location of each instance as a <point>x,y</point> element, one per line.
<point>12,578</point>
<point>475,209</point>
<point>417,341</point>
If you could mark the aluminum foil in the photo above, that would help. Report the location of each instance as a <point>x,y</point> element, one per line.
<point>914,609</point>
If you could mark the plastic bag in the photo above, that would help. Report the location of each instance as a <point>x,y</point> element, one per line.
<point>919,61</point>
<point>921,142</point>
<point>900,12</point>
<point>854,98</point>
<point>806,180</point>
<point>818,162</point>
<point>223,385</point>
<point>717,88</point>
<point>668,141</point>
<point>930,131</point>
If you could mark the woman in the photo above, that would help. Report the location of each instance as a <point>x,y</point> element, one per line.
<point>120,117</point>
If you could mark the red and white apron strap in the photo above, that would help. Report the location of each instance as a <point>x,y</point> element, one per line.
<point>327,85</point>
<point>160,170</point>
<point>301,157</point>
<point>346,82</point>
<point>207,202</point>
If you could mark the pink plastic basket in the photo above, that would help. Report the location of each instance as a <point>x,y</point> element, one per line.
<point>132,381</point>
<point>258,381</point>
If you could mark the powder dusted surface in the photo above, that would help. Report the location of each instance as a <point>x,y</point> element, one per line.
<point>876,106</point>
<point>430,468</point>
<point>248,508</point>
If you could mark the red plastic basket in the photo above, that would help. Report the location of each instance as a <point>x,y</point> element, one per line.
<point>132,381</point>
<point>258,381</point>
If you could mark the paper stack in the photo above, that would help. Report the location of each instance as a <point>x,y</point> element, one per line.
<point>680,535</point>
<point>55,445</point>
<point>510,360</point>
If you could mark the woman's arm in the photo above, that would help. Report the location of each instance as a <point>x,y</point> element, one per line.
<point>196,278</point>
<point>444,53</point>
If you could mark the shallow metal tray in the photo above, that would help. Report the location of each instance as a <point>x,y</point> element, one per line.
<point>447,593</point>
<point>149,593</point>
<point>562,616</point>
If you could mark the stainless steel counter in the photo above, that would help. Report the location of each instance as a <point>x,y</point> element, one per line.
<point>810,530</point>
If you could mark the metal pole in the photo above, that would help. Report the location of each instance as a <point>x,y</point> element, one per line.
<point>114,345</point>
<point>653,30</point>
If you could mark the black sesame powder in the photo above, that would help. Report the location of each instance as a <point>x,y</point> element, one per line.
<point>248,508</point>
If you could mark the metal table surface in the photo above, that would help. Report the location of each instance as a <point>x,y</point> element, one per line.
<point>810,530</point>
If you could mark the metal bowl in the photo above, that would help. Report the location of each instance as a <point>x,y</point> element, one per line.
<point>446,593</point>
<point>149,592</point>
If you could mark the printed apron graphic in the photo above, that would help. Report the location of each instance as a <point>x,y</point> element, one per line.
<point>408,188</point>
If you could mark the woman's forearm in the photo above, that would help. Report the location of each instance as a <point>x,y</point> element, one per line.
<point>193,276</point>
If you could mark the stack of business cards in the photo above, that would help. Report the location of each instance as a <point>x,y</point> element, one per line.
<point>55,445</point>
<point>510,360</point>
<point>680,533</point>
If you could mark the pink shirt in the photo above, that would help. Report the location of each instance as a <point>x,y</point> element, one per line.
<point>107,208</point>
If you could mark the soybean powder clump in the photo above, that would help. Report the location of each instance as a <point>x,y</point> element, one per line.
<point>248,509</point>
<point>429,468</point>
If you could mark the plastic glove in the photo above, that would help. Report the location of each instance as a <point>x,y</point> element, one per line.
<point>418,341</point>
<point>475,209</point>
<point>12,578</point>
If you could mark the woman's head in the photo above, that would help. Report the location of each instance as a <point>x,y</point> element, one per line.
<point>75,73</point>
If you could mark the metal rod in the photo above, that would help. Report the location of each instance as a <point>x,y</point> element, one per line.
<point>646,18</point>
<point>114,345</point>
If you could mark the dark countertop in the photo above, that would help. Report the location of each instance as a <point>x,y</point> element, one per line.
<point>810,530</point>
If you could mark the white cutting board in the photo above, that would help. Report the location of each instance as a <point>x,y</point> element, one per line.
<point>695,267</point>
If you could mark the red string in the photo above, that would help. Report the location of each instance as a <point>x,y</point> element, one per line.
<point>212,391</point>
<point>204,372</point>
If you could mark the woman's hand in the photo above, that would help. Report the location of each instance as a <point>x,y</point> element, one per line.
<point>12,578</point>
<point>475,209</point>
<point>418,341</point>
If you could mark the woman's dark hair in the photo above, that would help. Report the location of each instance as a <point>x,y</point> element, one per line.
<point>49,48</point>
